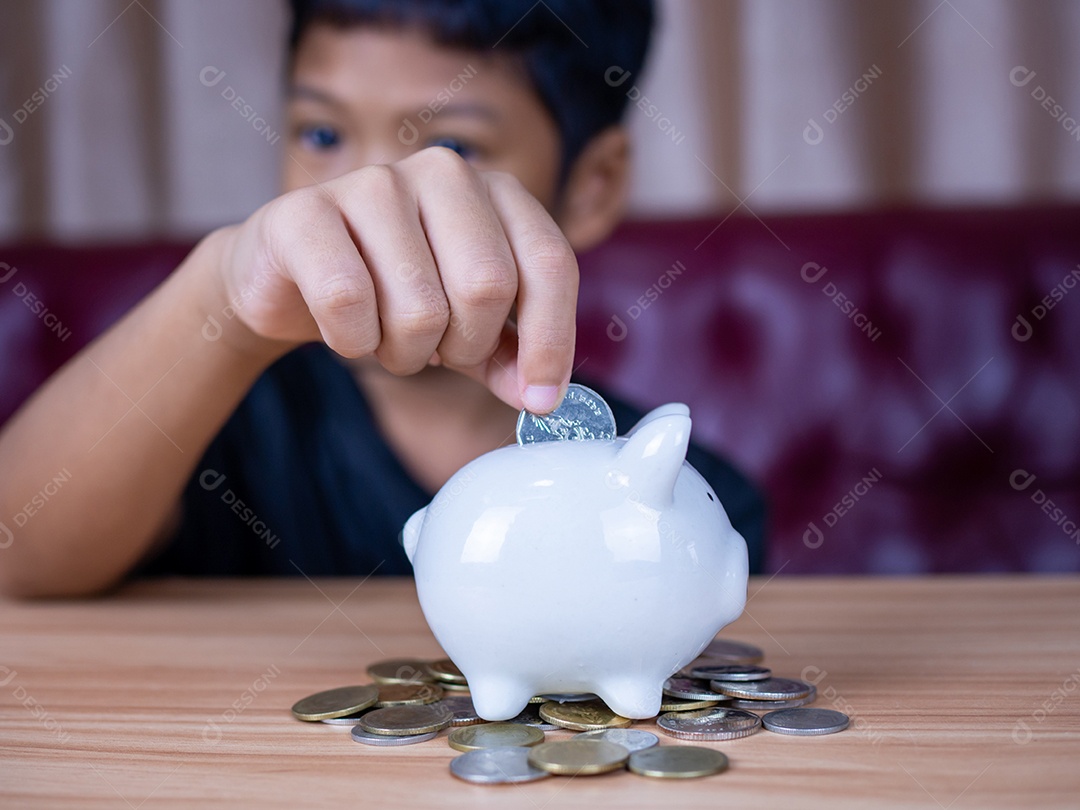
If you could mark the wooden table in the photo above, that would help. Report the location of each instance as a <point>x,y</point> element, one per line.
<point>963,692</point>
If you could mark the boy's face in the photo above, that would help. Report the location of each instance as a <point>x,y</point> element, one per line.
<point>364,95</point>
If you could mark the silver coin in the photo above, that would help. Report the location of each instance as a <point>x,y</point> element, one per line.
<point>691,689</point>
<point>568,697</point>
<point>731,672</point>
<point>463,710</point>
<point>582,415</point>
<point>530,716</point>
<point>496,766</point>
<point>632,739</point>
<point>768,689</point>
<point>351,720</point>
<point>367,738</point>
<point>805,722</point>
<point>709,724</point>
<point>736,652</point>
<point>772,705</point>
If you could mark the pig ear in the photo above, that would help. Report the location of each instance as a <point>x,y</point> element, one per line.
<point>652,457</point>
<point>411,533</point>
<point>671,409</point>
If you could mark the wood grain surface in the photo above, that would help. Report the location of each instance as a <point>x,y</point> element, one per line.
<point>963,692</point>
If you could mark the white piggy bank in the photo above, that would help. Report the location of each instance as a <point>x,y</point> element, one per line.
<point>578,566</point>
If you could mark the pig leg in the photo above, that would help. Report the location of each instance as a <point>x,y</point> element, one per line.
<point>497,698</point>
<point>636,698</point>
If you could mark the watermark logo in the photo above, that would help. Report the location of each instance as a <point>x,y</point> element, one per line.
<point>211,76</point>
<point>455,487</point>
<point>211,480</point>
<point>1021,479</point>
<point>409,133</point>
<point>617,329</point>
<point>1022,732</point>
<point>813,132</point>
<point>33,303</point>
<point>815,675</point>
<point>812,273</point>
<point>813,537</point>
<point>616,76</point>
<point>33,506</point>
<point>1022,329</point>
<point>30,703</point>
<point>212,329</point>
<point>1021,76</point>
<point>32,104</point>
<point>211,732</point>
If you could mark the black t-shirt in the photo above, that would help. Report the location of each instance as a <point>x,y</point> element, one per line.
<point>301,481</point>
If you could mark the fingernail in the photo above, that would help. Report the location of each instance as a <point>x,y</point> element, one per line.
<point>541,398</point>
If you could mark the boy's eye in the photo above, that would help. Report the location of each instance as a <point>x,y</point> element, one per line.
<point>455,145</point>
<point>320,136</point>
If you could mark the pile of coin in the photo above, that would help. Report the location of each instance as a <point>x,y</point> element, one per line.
<point>714,698</point>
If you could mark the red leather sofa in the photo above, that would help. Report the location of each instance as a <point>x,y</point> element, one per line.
<point>904,385</point>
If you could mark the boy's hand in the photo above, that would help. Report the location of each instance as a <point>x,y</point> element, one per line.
<point>415,262</point>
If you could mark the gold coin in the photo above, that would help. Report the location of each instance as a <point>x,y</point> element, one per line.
<point>587,715</point>
<point>678,704</point>
<point>677,762</point>
<point>401,721</point>
<point>538,699</point>
<point>399,670</point>
<point>335,702</point>
<point>578,757</point>
<point>445,670</point>
<point>493,735</point>
<point>408,694</point>
<point>454,687</point>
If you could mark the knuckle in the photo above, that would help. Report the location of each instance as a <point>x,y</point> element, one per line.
<point>380,181</point>
<point>549,256</point>
<point>357,345</point>
<point>287,219</point>
<point>488,282</point>
<point>497,178</point>
<point>467,353</point>
<point>430,316</point>
<point>339,293</point>
<point>301,204</point>
<point>444,159</point>
<point>399,364</point>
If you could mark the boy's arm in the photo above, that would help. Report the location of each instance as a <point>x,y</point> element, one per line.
<point>406,262</point>
<point>125,422</point>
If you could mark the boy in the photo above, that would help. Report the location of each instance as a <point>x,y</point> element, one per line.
<point>433,253</point>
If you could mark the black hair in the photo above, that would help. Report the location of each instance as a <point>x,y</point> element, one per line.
<point>576,53</point>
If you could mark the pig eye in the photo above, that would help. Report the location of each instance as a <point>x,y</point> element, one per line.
<point>711,498</point>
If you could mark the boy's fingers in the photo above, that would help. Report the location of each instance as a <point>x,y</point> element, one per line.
<point>412,306</point>
<point>313,247</point>
<point>499,373</point>
<point>547,294</point>
<point>475,263</point>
